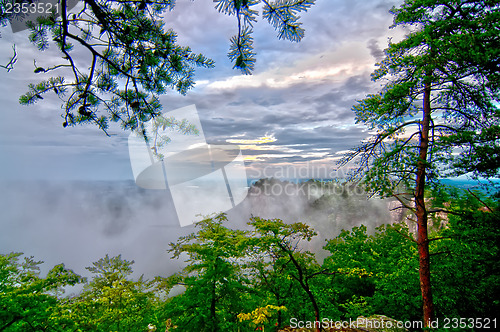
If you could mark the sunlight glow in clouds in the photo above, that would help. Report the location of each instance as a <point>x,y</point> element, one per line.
<point>337,72</point>
<point>337,64</point>
<point>284,151</point>
<point>261,140</point>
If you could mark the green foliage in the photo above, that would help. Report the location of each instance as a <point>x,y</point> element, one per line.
<point>161,123</point>
<point>241,51</point>
<point>134,58</point>
<point>282,266</point>
<point>466,251</point>
<point>260,315</point>
<point>232,272</point>
<point>378,274</point>
<point>108,270</point>
<point>27,299</point>
<point>375,273</point>
<point>356,307</point>
<point>111,301</point>
<point>237,280</point>
<point>213,280</point>
<point>453,47</point>
<point>281,14</point>
<point>445,73</point>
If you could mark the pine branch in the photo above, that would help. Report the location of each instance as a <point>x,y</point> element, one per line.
<point>10,65</point>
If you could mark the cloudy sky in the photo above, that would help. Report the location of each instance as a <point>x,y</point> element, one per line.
<point>293,112</point>
<point>293,116</point>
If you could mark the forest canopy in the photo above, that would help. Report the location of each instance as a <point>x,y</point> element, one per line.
<point>265,277</point>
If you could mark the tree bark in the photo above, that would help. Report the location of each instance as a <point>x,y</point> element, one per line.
<point>303,283</point>
<point>421,212</point>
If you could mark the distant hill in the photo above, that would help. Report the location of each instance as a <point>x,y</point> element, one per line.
<point>328,206</point>
<point>484,186</point>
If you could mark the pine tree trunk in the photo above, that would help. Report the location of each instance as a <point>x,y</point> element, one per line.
<point>421,212</point>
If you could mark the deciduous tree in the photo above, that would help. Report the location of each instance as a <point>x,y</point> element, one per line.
<point>110,301</point>
<point>214,282</point>
<point>26,298</point>
<point>374,274</point>
<point>281,245</point>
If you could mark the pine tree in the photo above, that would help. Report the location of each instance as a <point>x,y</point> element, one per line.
<point>134,58</point>
<point>438,113</point>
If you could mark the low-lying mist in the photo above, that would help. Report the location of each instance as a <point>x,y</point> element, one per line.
<point>329,207</point>
<point>77,223</point>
